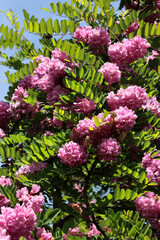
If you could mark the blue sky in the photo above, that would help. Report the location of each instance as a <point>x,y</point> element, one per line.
<point>34,8</point>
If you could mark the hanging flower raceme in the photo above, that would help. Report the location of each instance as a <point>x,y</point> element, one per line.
<point>31,200</point>
<point>148,207</point>
<point>19,221</point>
<point>72,154</point>
<point>153,105</point>
<point>42,234</point>
<point>4,115</point>
<point>128,51</point>
<point>133,97</point>
<point>97,38</point>
<point>108,149</point>
<point>111,72</point>
<point>134,26</point>
<point>2,133</point>
<point>152,166</point>
<point>31,169</point>
<point>84,105</point>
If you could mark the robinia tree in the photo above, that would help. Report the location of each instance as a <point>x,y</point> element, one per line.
<point>79,130</point>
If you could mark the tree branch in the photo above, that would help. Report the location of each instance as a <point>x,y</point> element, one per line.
<point>87,201</point>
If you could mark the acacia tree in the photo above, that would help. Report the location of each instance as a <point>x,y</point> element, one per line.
<point>79,131</point>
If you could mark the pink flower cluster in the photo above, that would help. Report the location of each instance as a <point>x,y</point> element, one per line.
<point>157,2</point>
<point>122,119</point>
<point>73,232</point>
<point>134,26</point>
<point>152,18</point>
<point>19,107</point>
<point>97,38</point>
<point>93,231</point>
<point>31,200</point>
<point>148,207</point>
<point>2,133</point>
<point>4,201</point>
<point>3,234</point>
<point>47,77</point>
<point>128,51</point>
<point>17,222</point>
<point>31,169</point>
<point>108,149</point>
<point>72,154</point>
<point>5,118</point>
<point>133,97</point>
<point>5,181</point>
<point>125,119</point>
<point>84,105</point>
<point>153,105</point>
<point>42,234</point>
<point>111,72</point>
<point>152,167</point>
<point>154,55</point>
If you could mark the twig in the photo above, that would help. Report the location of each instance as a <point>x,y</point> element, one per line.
<point>87,201</point>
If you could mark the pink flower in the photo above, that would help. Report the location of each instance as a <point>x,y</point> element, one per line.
<point>18,221</point>
<point>152,166</point>
<point>93,231</point>
<point>2,133</point>
<point>125,119</point>
<point>148,207</point>
<point>4,115</point>
<point>129,51</point>
<point>31,169</point>
<point>109,149</point>
<point>35,202</point>
<point>42,234</point>
<point>5,181</point>
<point>4,201</point>
<point>97,38</point>
<point>111,72</point>
<point>35,189</point>
<point>72,154</point>
<point>84,105</point>
<point>3,234</point>
<point>83,126</point>
<point>133,97</point>
<point>134,26</point>
<point>153,105</point>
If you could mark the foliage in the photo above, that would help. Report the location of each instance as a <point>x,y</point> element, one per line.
<point>96,199</point>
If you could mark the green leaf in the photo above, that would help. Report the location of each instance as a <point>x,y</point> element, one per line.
<point>63,26</point>
<point>56,26</point>
<point>117,193</point>
<point>50,29</point>
<point>30,27</point>
<point>122,24</point>
<point>53,7</point>
<point>25,24</point>
<point>109,196</point>
<point>42,26</point>
<point>122,194</point>
<point>71,26</point>
<point>128,194</point>
<point>142,176</point>
<point>158,29</point>
<point>36,27</point>
<point>52,215</point>
<point>59,8</point>
<point>96,121</point>
<point>146,30</point>
<point>109,22</point>
<point>117,29</point>
<point>46,9</point>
